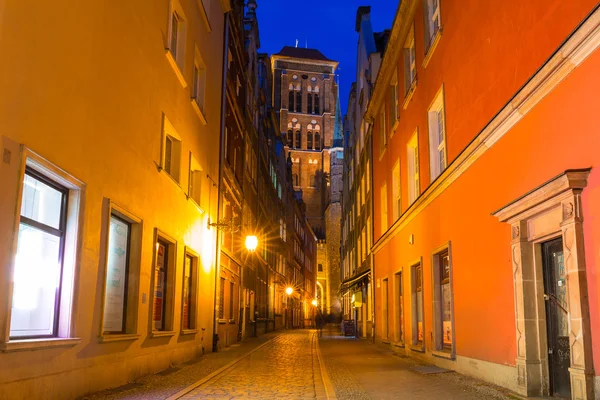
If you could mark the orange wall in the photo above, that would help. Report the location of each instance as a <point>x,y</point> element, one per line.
<point>560,133</point>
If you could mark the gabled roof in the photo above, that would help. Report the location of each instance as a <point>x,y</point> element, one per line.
<point>299,52</point>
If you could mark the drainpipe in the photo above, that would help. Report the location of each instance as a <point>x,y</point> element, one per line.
<point>220,194</point>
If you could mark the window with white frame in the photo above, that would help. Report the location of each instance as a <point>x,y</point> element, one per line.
<point>442,301</point>
<point>396,205</point>
<point>171,157</point>
<point>46,256</point>
<point>432,21</point>
<point>410,61</point>
<point>199,81</point>
<point>382,130</point>
<point>437,136</point>
<point>413,168</point>
<point>384,208</point>
<point>417,305</point>
<point>393,99</point>
<point>122,268</point>
<point>176,33</point>
<point>195,180</point>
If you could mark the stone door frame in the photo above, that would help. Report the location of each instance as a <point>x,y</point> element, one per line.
<point>552,210</point>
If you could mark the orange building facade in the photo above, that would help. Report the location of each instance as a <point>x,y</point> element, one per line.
<point>486,195</point>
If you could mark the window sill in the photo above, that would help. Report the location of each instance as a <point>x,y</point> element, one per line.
<point>118,337</point>
<point>161,334</point>
<point>418,348</point>
<point>382,153</point>
<point>232,321</point>
<point>176,68</point>
<point>188,332</point>
<point>204,15</point>
<point>394,127</point>
<point>190,198</point>
<point>38,344</point>
<point>432,46</point>
<point>199,111</point>
<point>444,354</point>
<point>171,178</point>
<point>409,94</point>
<point>222,321</point>
<point>399,344</point>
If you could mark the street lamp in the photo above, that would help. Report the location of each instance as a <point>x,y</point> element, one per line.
<point>315,302</point>
<point>251,243</point>
<point>289,290</point>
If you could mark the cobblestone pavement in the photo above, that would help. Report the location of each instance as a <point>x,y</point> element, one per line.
<point>166,383</point>
<point>361,370</point>
<point>287,367</point>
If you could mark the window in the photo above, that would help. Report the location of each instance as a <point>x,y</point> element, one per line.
<point>320,267</point>
<point>432,21</point>
<point>122,272</point>
<point>176,34</point>
<point>164,267</point>
<point>309,103</point>
<point>437,136</point>
<point>188,312</point>
<point>410,63</point>
<point>171,161</point>
<point>385,308</point>
<point>399,307</point>
<point>298,100</point>
<point>397,204</point>
<point>382,130</point>
<point>417,305</point>
<point>317,141</point>
<point>231,298</point>
<point>290,138</point>
<point>39,259</point>
<point>291,99</point>
<point>384,210</point>
<point>413,168</point>
<point>199,81</point>
<point>295,180</point>
<point>393,99</point>
<point>316,102</point>
<point>195,180</point>
<point>313,181</point>
<point>309,140</point>
<point>442,301</point>
<point>298,139</point>
<point>222,299</point>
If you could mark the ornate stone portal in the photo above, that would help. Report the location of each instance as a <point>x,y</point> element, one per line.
<point>550,211</point>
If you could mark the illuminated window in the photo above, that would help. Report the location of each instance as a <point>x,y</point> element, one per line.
<point>39,258</point>
<point>122,269</point>
<point>437,136</point>
<point>162,282</point>
<point>417,305</point>
<point>413,169</point>
<point>443,301</point>
<point>432,21</point>
<point>410,62</point>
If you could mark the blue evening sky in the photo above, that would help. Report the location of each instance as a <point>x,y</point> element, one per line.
<point>327,25</point>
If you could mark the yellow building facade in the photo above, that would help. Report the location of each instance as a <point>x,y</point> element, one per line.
<point>111,118</point>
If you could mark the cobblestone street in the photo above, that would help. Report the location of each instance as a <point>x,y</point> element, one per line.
<point>291,365</point>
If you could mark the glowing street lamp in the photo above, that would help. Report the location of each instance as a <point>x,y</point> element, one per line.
<point>251,243</point>
<point>315,302</point>
<point>289,290</point>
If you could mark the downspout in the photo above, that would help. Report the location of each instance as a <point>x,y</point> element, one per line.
<point>220,193</point>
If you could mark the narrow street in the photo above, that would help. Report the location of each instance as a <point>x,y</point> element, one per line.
<point>289,365</point>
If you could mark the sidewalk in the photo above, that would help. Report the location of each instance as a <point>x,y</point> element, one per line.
<point>361,370</point>
<point>170,381</point>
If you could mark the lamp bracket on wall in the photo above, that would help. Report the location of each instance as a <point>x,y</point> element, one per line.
<point>226,225</point>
